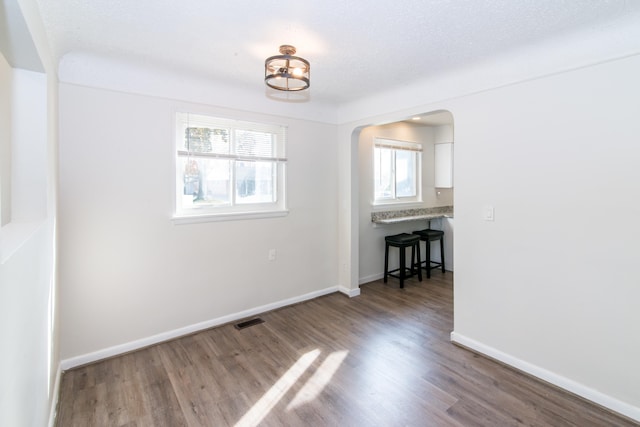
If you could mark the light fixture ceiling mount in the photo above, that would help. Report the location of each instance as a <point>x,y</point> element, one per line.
<point>287,72</point>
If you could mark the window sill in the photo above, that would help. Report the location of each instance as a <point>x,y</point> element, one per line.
<point>228,216</point>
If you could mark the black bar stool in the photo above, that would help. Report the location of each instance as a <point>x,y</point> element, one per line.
<point>429,235</point>
<point>402,241</point>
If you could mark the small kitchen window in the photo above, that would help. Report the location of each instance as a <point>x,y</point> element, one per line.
<point>397,171</point>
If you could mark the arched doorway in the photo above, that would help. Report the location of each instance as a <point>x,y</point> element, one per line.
<point>429,129</point>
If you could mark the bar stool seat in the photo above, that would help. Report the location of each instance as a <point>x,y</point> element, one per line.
<point>403,241</point>
<point>429,235</point>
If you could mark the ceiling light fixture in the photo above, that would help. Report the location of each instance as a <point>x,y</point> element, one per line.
<point>287,72</point>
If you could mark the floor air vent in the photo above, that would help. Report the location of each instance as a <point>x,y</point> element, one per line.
<point>248,323</point>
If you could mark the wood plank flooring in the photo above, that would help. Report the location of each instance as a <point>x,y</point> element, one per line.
<point>381,359</point>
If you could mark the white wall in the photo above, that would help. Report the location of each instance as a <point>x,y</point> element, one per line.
<point>128,273</point>
<point>6,84</point>
<point>28,333</point>
<point>28,363</point>
<point>551,285</point>
<point>29,148</point>
<point>553,282</point>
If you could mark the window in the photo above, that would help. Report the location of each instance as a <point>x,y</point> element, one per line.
<point>228,167</point>
<point>397,171</point>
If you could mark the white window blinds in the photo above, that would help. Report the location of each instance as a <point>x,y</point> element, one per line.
<point>210,137</point>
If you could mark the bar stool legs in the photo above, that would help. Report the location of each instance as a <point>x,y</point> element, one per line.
<point>428,235</point>
<point>402,241</point>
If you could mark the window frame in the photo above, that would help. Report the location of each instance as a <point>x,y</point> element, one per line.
<point>234,210</point>
<point>395,146</point>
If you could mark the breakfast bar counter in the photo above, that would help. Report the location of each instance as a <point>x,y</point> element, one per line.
<point>404,215</point>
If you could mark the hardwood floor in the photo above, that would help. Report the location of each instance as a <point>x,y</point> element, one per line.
<point>381,359</point>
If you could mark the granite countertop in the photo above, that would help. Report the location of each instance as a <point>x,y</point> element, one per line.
<point>394,217</point>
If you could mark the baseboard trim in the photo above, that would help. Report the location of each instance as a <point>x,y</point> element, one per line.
<point>350,292</point>
<point>370,278</point>
<point>574,387</point>
<point>374,277</point>
<point>53,411</point>
<point>116,350</point>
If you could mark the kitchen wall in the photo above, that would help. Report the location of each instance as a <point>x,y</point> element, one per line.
<point>129,275</point>
<point>371,238</point>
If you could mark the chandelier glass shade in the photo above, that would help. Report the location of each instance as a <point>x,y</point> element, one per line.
<point>287,72</point>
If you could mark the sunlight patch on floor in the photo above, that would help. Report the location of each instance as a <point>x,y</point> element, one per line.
<point>263,406</point>
<point>321,377</point>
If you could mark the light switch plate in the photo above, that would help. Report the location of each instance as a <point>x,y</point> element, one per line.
<point>488,213</point>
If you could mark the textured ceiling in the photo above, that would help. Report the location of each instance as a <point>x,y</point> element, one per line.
<point>355,47</point>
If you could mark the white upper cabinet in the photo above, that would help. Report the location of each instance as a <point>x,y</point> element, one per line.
<point>444,165</point>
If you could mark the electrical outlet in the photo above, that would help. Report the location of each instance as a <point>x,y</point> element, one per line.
<point>272,254</point>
